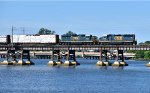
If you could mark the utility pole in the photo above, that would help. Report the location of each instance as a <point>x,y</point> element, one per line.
<point>12,35</point>
<point>23,30</point>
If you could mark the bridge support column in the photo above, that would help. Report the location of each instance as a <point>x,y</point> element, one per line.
<point>28,61</point>
<point>148,64</point>
<point>106,58</point>
<point>116,63</point>
<point>100,62</point>
<point>5,62</point>
<point>123,63</point>
<point>71,55</point>
<point>14,61</point>
<point>10,54</point>
<point>83,55</point>
<point>21,62</point>
<point>67,62</point>
<point>52,62</point>
<point>58,62</point>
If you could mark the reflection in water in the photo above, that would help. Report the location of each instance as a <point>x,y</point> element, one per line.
<point>69,66</point>
<point>61,66</point>
<point>118,67</point>
<point>56,66</point>
<point>19,67</point>
<point>102,67</point>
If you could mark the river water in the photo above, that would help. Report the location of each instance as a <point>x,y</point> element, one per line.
<point>86,78</point>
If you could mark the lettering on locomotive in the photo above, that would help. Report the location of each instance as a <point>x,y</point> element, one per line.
<point>119,38</point>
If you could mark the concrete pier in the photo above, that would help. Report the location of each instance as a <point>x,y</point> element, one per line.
<point>100,62</point>
<point>13,55</point>
<point>58,62</point>
<point>123,63</point>
<point>14,62</point>
<point>9,54</point>
<point>71,56</point>
<point>148,64</point>
<point>28,61</point>
<point>6,62</point>
<point>106,62</point>
<point>117,63</point>
<point>52,62</point>
<point>20,62</point>
<point>67,63</point>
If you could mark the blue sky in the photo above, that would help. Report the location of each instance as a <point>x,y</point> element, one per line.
<point>90,17</point>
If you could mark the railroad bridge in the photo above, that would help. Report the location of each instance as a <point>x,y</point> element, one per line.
<point>24,50</point>
<point>74,47</point>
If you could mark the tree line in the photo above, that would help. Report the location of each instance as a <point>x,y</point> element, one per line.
<point>142,54</point>
<point>45,31</point>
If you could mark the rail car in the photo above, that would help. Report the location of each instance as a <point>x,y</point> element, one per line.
<point>118,39</point>
<point>35,39</point>
<point>29,39</point>
<point>5,39</point>
<point>81,39</point>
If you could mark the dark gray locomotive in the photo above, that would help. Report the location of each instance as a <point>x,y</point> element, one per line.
<point>81,39</point>
<point>110,39</point>
<point>118,39</point>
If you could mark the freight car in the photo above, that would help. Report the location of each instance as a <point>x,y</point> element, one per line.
<point>81,39</point>
<point>35,39</point>
<point>118,39</point>
<point>5,39</point>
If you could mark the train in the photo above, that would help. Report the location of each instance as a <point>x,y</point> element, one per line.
<point>69,39</point>
<point>109,39</point>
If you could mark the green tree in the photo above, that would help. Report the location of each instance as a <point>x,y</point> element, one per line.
<point>139,54</point>
<point>70,33</point>
<point>147,42</point>
<point>147,55</point>
<point>44,31</point>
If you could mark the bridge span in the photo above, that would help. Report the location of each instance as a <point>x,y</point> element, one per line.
<point>73,47</point>
<point>19,51</point>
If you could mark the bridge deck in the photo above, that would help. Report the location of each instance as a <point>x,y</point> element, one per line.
<point>74,47</point>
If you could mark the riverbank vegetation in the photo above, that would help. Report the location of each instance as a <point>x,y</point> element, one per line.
<point>142,54</point>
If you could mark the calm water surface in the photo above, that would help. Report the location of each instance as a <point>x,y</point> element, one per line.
<point>86,78</point>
